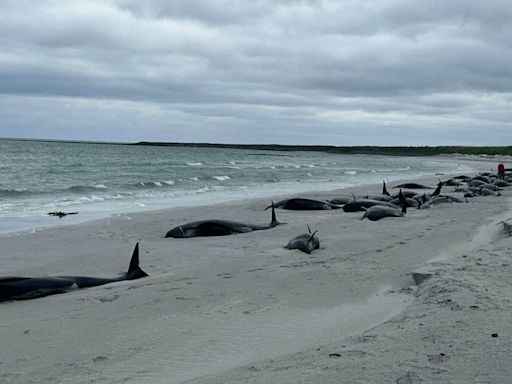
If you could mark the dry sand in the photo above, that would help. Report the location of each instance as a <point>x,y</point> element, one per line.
<point>242,309</point>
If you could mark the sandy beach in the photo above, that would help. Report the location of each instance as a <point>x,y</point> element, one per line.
<point>242,309</point>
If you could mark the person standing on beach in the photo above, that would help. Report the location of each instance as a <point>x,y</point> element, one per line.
<point>501,171</point>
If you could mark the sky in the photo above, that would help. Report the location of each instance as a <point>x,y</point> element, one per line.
<point>343,73</point>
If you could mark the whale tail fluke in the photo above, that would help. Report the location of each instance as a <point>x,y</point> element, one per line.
<point>312,234</point>
<point>134,271</point>
<point>271,205</point>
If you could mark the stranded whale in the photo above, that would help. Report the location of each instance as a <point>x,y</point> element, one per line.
<point>23,288</point>
<point>306,242</point>
<point>412,186</point>
<point>218,228</point>
<point>298,204</point>
<point>362,205</point>
<point>378,212</point>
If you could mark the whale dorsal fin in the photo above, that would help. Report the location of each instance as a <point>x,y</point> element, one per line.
<point>134,262</point>
<point>438,189</point>
<point>384,190</point>
<point>134,271</point>
<point>274,221</point>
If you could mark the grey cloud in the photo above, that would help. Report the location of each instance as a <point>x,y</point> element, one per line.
<point>273,70</point>
<point>218,13</point>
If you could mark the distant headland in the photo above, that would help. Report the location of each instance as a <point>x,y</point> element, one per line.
<point>349,150</point>
<point>353,150</point>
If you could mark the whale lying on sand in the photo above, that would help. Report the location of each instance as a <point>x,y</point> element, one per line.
<point>340,200</point>
<point>298,204</point>
<point>380,211</point>
<point>412,186</point>
<point>23,288</point>
<point>306,242</point>
<point>361,205</point>
<point>218,228</point>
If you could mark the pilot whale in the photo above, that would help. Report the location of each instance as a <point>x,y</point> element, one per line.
<point>23,288</point>
<point>299,204</point>
<point>412,186</point>
<point>306,242</point>
<point>378,212</point>
<point>218,227</point>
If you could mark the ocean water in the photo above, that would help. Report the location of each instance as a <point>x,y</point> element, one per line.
<point>97,180</point>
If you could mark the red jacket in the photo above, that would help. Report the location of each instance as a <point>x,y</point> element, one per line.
<point>501,168</point>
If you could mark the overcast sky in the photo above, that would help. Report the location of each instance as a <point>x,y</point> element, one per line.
<point>354,72</point>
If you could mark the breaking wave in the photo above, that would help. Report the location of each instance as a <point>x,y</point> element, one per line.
<point>107,178</point>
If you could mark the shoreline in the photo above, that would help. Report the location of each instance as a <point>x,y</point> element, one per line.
<point>41,222</point>
<point>212,308</point>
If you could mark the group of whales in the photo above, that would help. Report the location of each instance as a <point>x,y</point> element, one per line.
<point>306,242</point>
<point>23,288</point>
<point>375,208</point>
<point>485,184</point>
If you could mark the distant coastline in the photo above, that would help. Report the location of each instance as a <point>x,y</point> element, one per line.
<point>349,150</point>
<point>354,150</point>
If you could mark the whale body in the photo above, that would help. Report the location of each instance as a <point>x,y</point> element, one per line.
<point>23,288</point>
<point>218,228</point>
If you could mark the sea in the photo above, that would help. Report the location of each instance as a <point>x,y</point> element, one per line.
<point>96,180</point>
